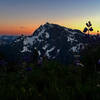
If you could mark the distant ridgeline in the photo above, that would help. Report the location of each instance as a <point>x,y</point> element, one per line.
<point>50,40</point>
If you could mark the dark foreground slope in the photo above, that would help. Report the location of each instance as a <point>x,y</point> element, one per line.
<point>50,81</point>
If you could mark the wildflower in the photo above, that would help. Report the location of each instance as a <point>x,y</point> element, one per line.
<point>98,85</point>
<point>26,59</point>
<point>28,69</point>
<point>99,61</point>
<point>40,61</point>
<point>2,63</point>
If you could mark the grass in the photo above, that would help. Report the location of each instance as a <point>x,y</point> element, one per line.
<point>50,81</point>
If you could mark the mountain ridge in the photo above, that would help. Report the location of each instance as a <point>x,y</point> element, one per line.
<point>53,41</point>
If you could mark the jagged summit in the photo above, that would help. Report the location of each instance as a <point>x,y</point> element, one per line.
<point>55,27</point>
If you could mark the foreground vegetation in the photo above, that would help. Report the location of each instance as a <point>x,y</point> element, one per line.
<point>49,81</point>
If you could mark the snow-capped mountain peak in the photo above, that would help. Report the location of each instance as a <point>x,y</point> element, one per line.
<point>54,41</point>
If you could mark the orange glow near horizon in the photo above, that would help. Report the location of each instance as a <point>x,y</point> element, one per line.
<point>29,30</point>
<point>29,26</point>
<point>13,30</point>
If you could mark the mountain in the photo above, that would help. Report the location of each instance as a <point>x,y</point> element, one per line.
<point>54,41</point>
<point>6,39</point>
<point>6,49</point>
<point>51,40</point>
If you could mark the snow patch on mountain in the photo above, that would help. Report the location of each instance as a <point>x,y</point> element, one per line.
<point>18,40</point>
<point>25,49</point>
<point>48,51</point>
<point>45,47</point>
<point>73,49</point>
<point>58,50</point>
<point>71,38</point>
<point>39,52</point>
<point>28,40</point>
<point>77,47</point>
<point>47,35</point>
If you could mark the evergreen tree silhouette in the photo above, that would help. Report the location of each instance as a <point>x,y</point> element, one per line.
<point>88,27</point>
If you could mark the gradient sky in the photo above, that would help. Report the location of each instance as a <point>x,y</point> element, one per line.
<point>24,16</point>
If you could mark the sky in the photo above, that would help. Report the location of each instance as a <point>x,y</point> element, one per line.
<point>25,16</point>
